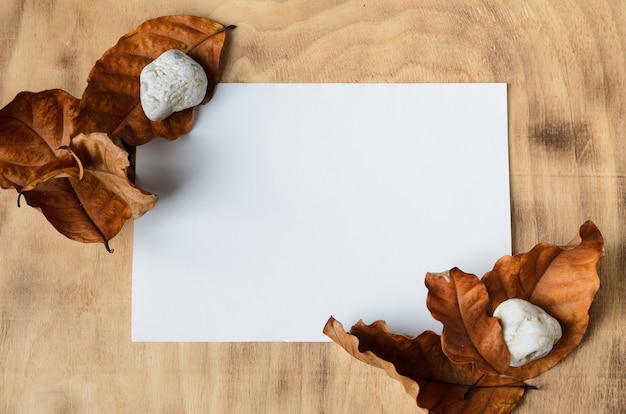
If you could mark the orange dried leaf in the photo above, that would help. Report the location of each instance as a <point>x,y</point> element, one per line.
<point>109,163</point>
<point>34,129</point>
<point>111,101</point>
<point>436,383</point>
<point>60,201</point>
<point>95,207</point>
<point>562,281</point>
<point>470,334</point>
<point>67,165</point>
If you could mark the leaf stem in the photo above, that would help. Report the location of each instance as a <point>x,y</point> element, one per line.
<point>475,386</point>
<point>106,246</point>
<point>522,385</point>
<point>472,387</point>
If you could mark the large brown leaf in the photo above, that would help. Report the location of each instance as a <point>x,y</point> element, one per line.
<point>66,165</point>
<point>436,383</point>
<point>94,206</point>
<point>111,102</point>
<point>470,334</point>
<point>108,163</point>
<point>60,200</point>
<point>561,280</point>
<point>34,130</point>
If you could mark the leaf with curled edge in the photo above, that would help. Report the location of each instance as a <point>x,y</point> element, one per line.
<point>60,201</point>
<point>66,165</point>
<point>111,101</point>
<point>108,163</point>
<point>95,207</point>
<point>34,131</point>
<point>470,334</point>
<point>436,383</point>
<point>562,281</point>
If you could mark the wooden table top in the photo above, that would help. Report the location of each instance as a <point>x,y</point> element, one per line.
<point>65,342</point>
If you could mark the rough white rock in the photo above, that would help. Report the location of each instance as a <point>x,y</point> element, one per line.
<point>529,331</point>
<point>171,83</point>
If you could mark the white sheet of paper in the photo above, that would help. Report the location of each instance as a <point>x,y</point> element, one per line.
<point>289,203</point>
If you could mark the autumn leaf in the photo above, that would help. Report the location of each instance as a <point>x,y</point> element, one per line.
<point>95,207</point>
<point>66,165</point>
<point>470,334</point>
<point>111,101</point>
<point>34,131</point>
<point>61,203</point>
<point>463,370</point>
<point>108,163</point>
<point>86,199</point>
<point>562,281</point>
<point>437,384</point>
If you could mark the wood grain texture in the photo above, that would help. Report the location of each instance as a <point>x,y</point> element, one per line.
<point>65,307</point>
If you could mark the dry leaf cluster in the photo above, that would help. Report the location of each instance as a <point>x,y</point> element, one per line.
<point>71,158</point>
<point>466,369</point>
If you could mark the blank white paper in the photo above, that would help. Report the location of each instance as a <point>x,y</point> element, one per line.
<point>289,203</point>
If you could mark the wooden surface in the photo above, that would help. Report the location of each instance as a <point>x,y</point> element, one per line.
<point>65,308</point>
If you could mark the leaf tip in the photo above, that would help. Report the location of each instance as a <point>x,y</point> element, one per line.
<point>331,327</point>
<point>445,275</point>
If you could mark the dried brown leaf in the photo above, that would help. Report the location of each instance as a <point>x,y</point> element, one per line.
<point>437,384</point>
<point>561,280</point>
<point>95,207</point>
<point>109,164</point>
<point>34,131</point>
<point>470,334</point>
<point>66,165</point>
<point>61,202</point>
<point>111,102</point>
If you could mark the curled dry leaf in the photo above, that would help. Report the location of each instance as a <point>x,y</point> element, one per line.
<point>66,165</point>
<point>95,207</point>
<point>459,372</point>
<point>562,281</point>
<point>34,131</point>
<point>437,384</point>
<point>108,163</point>
<point>470,334</point>
<point>82,189</point>
<point>60,200</point>
<point>111,102</point>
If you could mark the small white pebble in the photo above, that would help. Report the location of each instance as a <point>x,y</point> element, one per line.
<point>529,331</point>
<point>171,83</point>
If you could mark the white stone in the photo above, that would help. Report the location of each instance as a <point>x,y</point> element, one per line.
<point>171,83</point>
<point>529,331</point>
